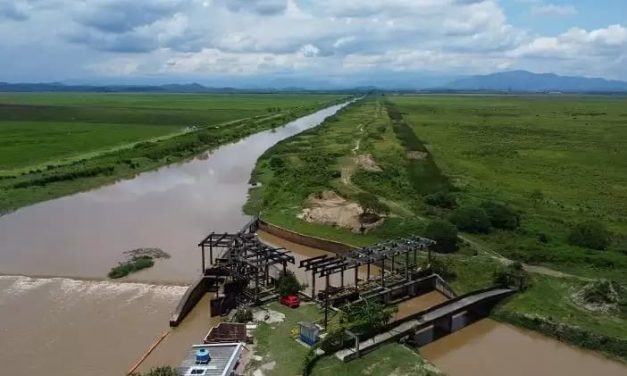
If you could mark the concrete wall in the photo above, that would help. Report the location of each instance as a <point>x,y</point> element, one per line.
<point>424,336</point>
<point>189,300</point>
<point>460,320</point>
<point>309,241</point>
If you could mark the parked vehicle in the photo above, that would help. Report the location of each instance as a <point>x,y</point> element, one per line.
<point>291,301</point>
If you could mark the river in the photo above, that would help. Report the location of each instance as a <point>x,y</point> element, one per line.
<point>69,326</point>
<point>490,348</point>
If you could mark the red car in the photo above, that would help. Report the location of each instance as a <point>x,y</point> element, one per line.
<point>291,301</point>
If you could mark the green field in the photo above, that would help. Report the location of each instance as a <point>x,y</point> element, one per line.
<point>570,150</point>
<point>52,144</point>
<point>557,161</point>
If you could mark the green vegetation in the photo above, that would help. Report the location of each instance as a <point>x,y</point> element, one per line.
<point>389,359</point>
<point>276,343</point>
<point>322,159</point>
<point>366,317</point>
<point>56,144</point>
<point>159,371</point>
<point>537,180</point>
<point>288,284</point>
<point>444,234</point>
<point>556,161</point>
<point>471,219</point>
<point>589,234</point>
<point>445,200</point>
<point>131,266</point>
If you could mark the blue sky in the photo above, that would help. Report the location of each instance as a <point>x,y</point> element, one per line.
<point>308,42</point>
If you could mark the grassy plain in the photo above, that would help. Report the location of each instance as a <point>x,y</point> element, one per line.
<point>322,159</point>
<point>481,148</point>
<point>52,144</point>
<point>557,160</point>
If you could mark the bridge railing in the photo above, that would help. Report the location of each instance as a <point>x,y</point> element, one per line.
<point>416,315</point>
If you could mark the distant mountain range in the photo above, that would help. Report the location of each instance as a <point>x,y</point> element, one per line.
<point>514,81</point>
<point>523,81</point>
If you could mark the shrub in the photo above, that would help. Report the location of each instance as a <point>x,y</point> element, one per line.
<point>333,341</point>
<point>513,275</point>
<point>126,268</point>
<point>277,163</point>
<point>442,267</point>
<point>471,219</point>
<point>372,207</point>
<point>590,234</point>
<point>160,371</point>
<point>366,317</point>
<point>243,314</point>
<point>444,234</point>
<point>288,284</point>
<point>444,200</point>
<point>501,216</point>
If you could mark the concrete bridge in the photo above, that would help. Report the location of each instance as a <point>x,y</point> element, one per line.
<point>433,323</point>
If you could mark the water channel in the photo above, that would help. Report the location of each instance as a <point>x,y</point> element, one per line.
<point>67,321</point>
<point>69,326</point>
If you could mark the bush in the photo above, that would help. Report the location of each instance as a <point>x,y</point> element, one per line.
<point>444,200</point>
<point>371,204</point>
<point>442,267</point>
<point>444,234</point>
<point>471,219</point>
<point>160,371</point>
<point>513,275</point>
<point>288,284</point>
<point>243,314</point>
<point>501,216</point>
<point>366,317</point>
<point>126,268</point>
<point>590,234</point>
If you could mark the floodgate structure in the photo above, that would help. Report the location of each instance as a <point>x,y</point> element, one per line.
<point>242,270</point>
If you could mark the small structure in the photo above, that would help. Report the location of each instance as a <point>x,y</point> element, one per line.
<point>227,332</point>
<point>309,333</point>
<point>217,359</point>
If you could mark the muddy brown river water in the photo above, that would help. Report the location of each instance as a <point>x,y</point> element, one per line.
<point>490,348</point>
<point>66,326</point>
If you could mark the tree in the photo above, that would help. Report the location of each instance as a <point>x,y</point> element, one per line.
<point>590,234</point>
<point>367,316</point>
<point>444,200</point>
<point>471,219</point>
<point>501,216</point>
<point>373,208</point>
<point>444,234</point>
<point>288,284</point>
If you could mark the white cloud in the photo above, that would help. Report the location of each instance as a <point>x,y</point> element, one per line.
<point>316,37</point>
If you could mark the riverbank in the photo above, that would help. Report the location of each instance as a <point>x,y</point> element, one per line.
<point>23,187</point>
<point>330,158</point>
<point>82,235</point>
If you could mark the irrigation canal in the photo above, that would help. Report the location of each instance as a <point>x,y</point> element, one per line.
<point>67,324</point>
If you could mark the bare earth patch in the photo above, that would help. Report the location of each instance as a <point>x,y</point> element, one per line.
<point>416,155</point>
<point>328,208</point>
<point>268,316</point>
<point>366,162</point>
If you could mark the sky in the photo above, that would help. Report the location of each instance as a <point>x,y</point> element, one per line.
<point>307,42</point>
